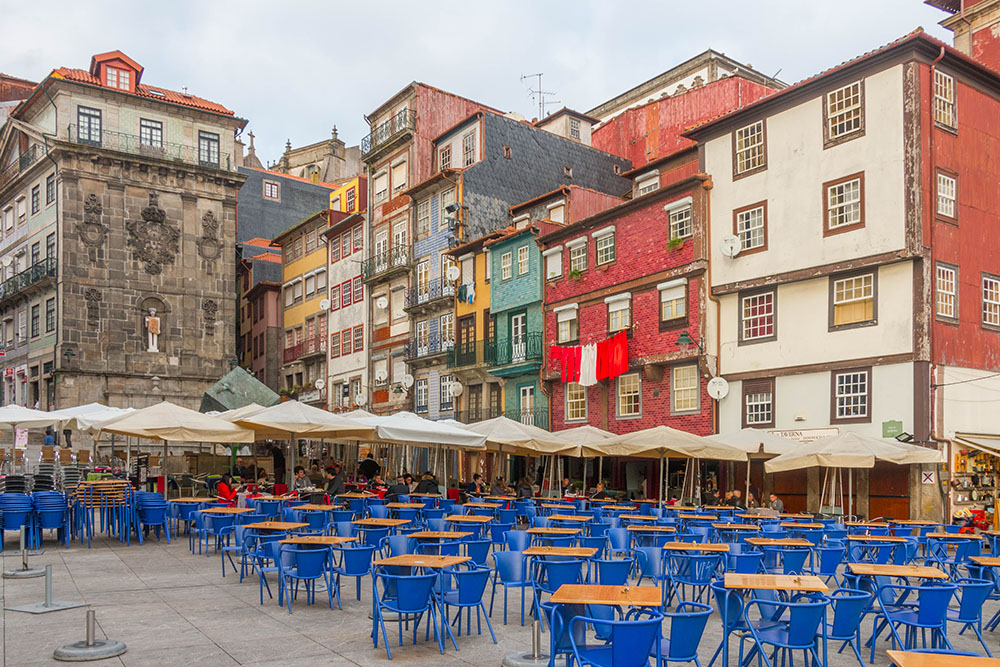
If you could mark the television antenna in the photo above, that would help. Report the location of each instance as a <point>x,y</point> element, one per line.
<point>539,93</point>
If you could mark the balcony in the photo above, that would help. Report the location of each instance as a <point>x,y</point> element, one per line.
<point>426,349</point>
<point>306,348</point>
<point>536,417</point>
<point>388,133</point>
<point>431,293</point>
<point>473,415</point>
<point>517,350</point>
<point>385,265</point>
<point>36,277</point>
<point>21,165</point>
<point>471,353</point>
<point>130,143</point>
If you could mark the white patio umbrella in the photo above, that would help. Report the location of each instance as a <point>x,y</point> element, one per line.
<point>17,416</point>
<point>757,444</point>
<point>90,422</point>
<point>586,435</point>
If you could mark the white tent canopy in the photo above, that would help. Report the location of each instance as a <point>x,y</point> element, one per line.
<point>757,442</point>
<point>406,428</point>
<point>669,442</point>
<point>168,422</point>
<point>852,450</point>
<point>509,436</point>
<point>88,417</point>
<point>292,418</point>
<point>16,416</point>
<point>584,435</point>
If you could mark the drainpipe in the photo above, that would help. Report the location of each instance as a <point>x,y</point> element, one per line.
<point>707,185</point>
<point>59,273</point>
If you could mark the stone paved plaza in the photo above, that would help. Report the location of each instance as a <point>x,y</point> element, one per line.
<point>172,608</point>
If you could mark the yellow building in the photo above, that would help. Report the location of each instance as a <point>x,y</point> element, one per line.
<point>304,266</point>
<point>351,197</point>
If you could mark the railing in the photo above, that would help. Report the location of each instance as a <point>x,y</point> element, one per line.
<point>517,350</point>
<point>314,345</point>
<point>425,346</point>
<point>473,415</point>
<point>429,291</point>
<point>385,132</point>
<point>130,143</point>
<point>24,160</point>
<point>471,353</point>
<point>36,273</point>
<point>535,417</point>
<point>384,262</point>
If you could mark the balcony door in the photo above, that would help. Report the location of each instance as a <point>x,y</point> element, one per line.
<point>528,405</point>
<point>518,337</point>
<point>381,249</point>
<point>423,281</point>
<point>475,402</point>
<point>423,337</point>
<point>467,340</point>
<point>400,243</point>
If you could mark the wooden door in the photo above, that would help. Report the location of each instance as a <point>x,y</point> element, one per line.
<point>889,491</point>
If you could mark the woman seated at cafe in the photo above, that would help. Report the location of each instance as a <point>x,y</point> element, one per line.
<point>226,489</point>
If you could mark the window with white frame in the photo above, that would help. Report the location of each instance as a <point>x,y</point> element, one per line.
<point>557,212</point>
<point>272,190</point>
<point>673,300</point>
<point>852,394</point>
<point>647,183</point>
<point>522,260</point>
<point>469,148</point>
<point>629,395</point>
<point>150,133</point>
<point>578,256</point>
<point>399,176</point>
<point>844,202</point>
<point>757,316</point>
<point>444,391</point>
<point>576,402</point>
<point>991,301</point>
<point>506,265</point>
<point>567,324</point>
<point>680,223</point>
<point>421,395</point>
<point>944,100</point>
<point>844,111</point>
<point>758,402</point>
<point>447,198</point>
<point>750,151</point>
<point>751,226</point>
<point>446,329</point>
<point>424,217</point>
<point>604,249</point>
<point>553,263</point>
<point>947,188</point>
<point>310,282</point>
<point>684,388</point>
<point>380,188</point>
<point>854,299</point>
<point>574,128</point>
<point>619,313</point>
<point>444,158</point>
<point>946,288</point>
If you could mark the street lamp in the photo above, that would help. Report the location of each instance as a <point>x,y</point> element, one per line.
<point>685,342</point>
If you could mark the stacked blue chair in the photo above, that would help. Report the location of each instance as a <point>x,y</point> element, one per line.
<point>51,513</point>
<point>152,512</point>
<point>16,510</point>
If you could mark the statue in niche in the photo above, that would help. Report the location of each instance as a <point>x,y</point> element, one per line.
<point>152,331</point>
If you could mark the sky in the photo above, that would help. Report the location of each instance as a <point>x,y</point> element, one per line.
<point>296,69</point>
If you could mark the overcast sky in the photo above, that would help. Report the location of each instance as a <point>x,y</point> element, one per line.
<point>296,69</point>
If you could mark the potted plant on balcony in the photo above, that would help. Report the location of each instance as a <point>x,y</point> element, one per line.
<point>675,243</point>
<point>285,394</point>
<point>574,274</point>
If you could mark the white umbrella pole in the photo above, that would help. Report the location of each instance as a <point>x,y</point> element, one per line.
<point>661,477</point>
<point>163,469</point>
<point>600,468</point>
<point>291,455</point>
<point>850,491</point>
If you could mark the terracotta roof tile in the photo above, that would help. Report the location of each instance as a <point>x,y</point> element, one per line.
<point>151,92</point>
<point>257,241</point>
<point>268,257</point>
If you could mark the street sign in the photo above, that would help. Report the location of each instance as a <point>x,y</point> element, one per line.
<point>892,428</point>
<point>928,477</point>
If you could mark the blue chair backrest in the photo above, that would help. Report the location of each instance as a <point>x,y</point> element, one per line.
<point>599,543</point>
<point>687,625</point>
<point>437,525</point>
<point>405,514</point>
<point>356,560</point>
<point>431,514</point>
<point>291,515</point>
<point>849,605</point>
<point>598,528</point>
<point>541,522</point>
<point>619,538</point>
<point>345,529</point>
<point>650,561</point>
<point>316,520</point>
<point>972,593</point>
<point>746,563</point>
<point>268,507</point>
<point>613,572</point>
<point>400,545</point>
<point>509,566</point>
<point>443,548</point>
<point>471,584</point>
<point>337,516</point>
<point>551,574</point>
<point>693,568</point>
<point>498,530</point>
<point>829,559</point>
<point>379,511</point>
<point>309,563</point>
<point>477,550</point>
<point>507,516</point>
<point>630,640</point>
<point>804,619</point>
<point>372,536</point>
<point>793,559</point>
<point>217,522</point>
<point>410,593</point>
<point>356,505</point>
<point>517,540</point>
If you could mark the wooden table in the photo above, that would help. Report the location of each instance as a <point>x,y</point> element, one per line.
<point>778,542</point>
<point>275,525</point>
<point>776,582</point>
<point>192,500</point>
<point>914,522</point>
<point>422,560</point>
<point>572,552</point>
<point>505,499</point>
<point>867,524</point>
<point>910,659</point>
<point>555,506</point>
<point>570,517</point>
<point>696,546</point>
<point>724,508</point>
<point>309,507</point>
<point>553,531</point>
<point>380,523</point>
<point>992,533</point>
<point>358,495</point>
<point>678,508</point>
<point>914,571</point>
<point>581,594</point>
<point>438,535</point>
<point>698,517</point>
<point>735,526</point>
<point>651,529</point>
<point>468,518</point>
<point>225,510</point>
<point>792,524</point>
<point>876,538</point>
<point>954,536</point>
<point>403,506</point>
<point>638,517</point>
<point>795,516</point>
<point>986,561</point>
<point>619,508</point>
<point>648,501</point>
<point>329,540</point>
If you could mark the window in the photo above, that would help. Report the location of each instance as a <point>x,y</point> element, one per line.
<point>576,402</point>
<point>757,314</point>
<point>117,78</point>
<point>150,133</point>
<point>991,300</point>
<point>50,245</point>
<point>446,325</point>
<point>629,395</point>
<point>381,187</point>
<point>567,324</point>
<point>680,223</point>
<point>335,344</point>
<point>36,253</point>
<point>506,152</point>
<point>297,289</point>
<point>684,389</point>
<point>750,225</point>
<point>853,300</point>
<point>311,240</point>
<point>334,249</point>
<point>568,171</point>
<point>359,290</point>
<point>619,312</point>
<point>444,385</point>
<point>289,296</point>
<point>321,280</point>
<point>844,112</point>
<point>845,204</point>
<point>749,149</point>
<point>359,238</point>
<point>522,260</point>
<point>605,249</point>
<point>447,198</point>
<point>21,205</point>
<point>578,256</point>
<point>35,320</point>
<point>673,302</point>
<point>272,190</point>
<point>50,189</point>
<point>947,194</point>
<point>758,403</point>
<point>553,263</point>
<point>469,149</point>
<point>399,177</point>
<point>335,297</point>
<point>421,395</point>
<point>208,148</point>
<point>88,126</point>
<point>574,128</point>
<point>424,217</point>
<point>444,158</point>
<point>359,338</point>
<point>310,282</point>
<point>345,244</point>
<point>647,183</point>
<point>345,341</point>
<point>346,290</point>
<point>946,287</point>
<point>944,100</point>
<point>557,212</point>
<point>506,267</point>
<point>351,199</point>
<point>852,396</point>
<point>36,199</point>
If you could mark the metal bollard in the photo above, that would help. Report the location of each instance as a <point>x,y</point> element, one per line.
<point>533,659</point>
<point>536,639</point>
<point>48,604</point>
<point>91,626</point>
<point>91,648</point>
<point>25,572</point>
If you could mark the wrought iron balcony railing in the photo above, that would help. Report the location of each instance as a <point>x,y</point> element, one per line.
<point>471,353</point>
<point>305,348</point>
<point>473,415</point>
<point>535,417</point>
<point>429,291</point>
<point>403,121</point>
<point>24,160</point>
<point>130,143</point>
<point>427,346</point>
<point>33,275</point>
<point>385,262</point>
<point>517,349</point>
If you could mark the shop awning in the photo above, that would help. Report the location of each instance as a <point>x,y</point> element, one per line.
<point>985,443</point>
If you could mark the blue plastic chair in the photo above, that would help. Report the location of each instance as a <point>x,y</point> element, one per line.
<point>849,607</point>
<point>378,511</point>
<point>687,626</point>
<point>826,561</point>
<point>731,606</point>
<point>630,642</point>
<point>509,572</point>
<point>517,540</point>
<point>972,594</point>
<point>650,563</point>
<point>599,543</point>
<point>804,624</point>
<point>929,612</point>
<point>689,569</point>
<point>467,593</point>
<point>477,550</point>
<point>785,560</point>
<point>498,532</point>
<point>745,562</point>
<point>619,542</point>
<point>268,551</point>
<point>238,545</point>
<point>307,564</point>
<point>398,545</point>
<point>373,536</point>
<point>269,508</point>
<point>355,561</point>
<point>410,597</point>
<point>613,572</point>
<point>344,529</point>
<point>548,575</point>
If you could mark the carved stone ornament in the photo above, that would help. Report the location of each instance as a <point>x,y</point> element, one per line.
<point>92,229</point>
<point>210,308</point>
<point>93,298</point>
<point>154,240</point>
<point>208,243</point>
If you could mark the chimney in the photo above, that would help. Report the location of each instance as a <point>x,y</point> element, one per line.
<point>975,26</point>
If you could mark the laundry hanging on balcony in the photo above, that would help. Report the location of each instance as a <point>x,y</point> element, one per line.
<point>588,364</point>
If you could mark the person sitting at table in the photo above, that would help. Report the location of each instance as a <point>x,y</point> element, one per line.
<point>525,489</point>
<point>499,487</point>
<point>599,493</point>
<point>375,484</point>
<point>428,484</point>
<point>226,489</point>
<point>400,488</point>
<point>711,498</point>
<point>752,501</point>
<point>476,486</point>
<point>315,476</point>
<point>566,487</point>
<point>300,481</point>
<point>775,504</point>
<point>737,500</point>
<point>335,481</point>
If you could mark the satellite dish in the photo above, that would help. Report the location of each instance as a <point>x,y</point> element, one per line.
<point>453,273</point>
<point>730,245</point>
<point>324,304</point>
<point>360,399</point>
<point>407,380</point>
<point>456,388</point>
<point>381,375</point>
<point>320,384</point>
<point>382,303</point>
<point>718,388</point>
